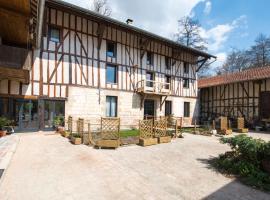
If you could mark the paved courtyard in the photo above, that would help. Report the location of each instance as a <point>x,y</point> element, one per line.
<point>47,166</point>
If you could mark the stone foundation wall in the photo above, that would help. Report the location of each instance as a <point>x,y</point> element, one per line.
<point>84,103</point>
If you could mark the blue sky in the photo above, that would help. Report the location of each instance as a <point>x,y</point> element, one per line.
<point>225,24</point>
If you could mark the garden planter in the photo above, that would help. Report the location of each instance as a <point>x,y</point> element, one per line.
<point>266,165</point>
<point>76,140</point>
<point>3,133</point>
<point>148,141</point>
<point>165,139</point>
<point>108,143</point>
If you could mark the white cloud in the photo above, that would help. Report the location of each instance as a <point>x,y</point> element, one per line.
<point>220,33</point>
<point>159,17</point>
<point>208,7</point>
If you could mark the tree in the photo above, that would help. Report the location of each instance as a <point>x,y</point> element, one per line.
<point>102,7</point>
<point>189,33</point>
<point>258,55</point>
<point>236,60</point>
<point>260,51</point>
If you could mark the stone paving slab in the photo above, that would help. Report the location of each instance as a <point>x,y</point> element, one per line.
<point>49,167</point>
<point>8,146</point>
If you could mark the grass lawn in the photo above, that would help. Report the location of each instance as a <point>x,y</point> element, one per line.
<point>129,133</point>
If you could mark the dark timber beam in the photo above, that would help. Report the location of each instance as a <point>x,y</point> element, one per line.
<point>143,46</point>
<point>100,32</point>
<point>162,102</point>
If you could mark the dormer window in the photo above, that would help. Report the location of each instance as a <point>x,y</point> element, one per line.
<point>149,60</point>
<point>111,49</point>
<point>186,67</point>
<point>168,63</point>
<point>54,34</point>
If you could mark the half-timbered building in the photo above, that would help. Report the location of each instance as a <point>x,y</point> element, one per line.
<point>89,66</point>
<point>240,94</point>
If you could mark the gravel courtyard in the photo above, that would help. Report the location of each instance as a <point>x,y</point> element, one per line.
<point>47,166</point>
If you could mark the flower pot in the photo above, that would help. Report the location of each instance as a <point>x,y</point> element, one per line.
<point>60,129</point>
<point>3,133</point>
<point>65,134</point>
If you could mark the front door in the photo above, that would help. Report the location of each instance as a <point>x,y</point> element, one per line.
<point>26,114</point>
<point>168,108</point>
<point>149,108</point>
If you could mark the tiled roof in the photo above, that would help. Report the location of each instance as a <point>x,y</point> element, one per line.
<point>246,75</point>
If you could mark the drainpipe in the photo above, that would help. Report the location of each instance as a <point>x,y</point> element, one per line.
<point>41,7</point>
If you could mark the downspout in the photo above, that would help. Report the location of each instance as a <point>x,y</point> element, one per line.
<point>41,7</point>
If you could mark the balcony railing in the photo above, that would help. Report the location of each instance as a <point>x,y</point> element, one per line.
<point>153,87</point>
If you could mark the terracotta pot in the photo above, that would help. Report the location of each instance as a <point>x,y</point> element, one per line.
<point>3,133</point>
<point>266,165</point>
<point>60,129</point>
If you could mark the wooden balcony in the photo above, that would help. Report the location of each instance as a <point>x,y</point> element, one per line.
<point>15,64</point>
<point>153,87</point>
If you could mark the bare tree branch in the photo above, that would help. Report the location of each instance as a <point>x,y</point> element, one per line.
<point>189,33</point>
<point>102,7</point>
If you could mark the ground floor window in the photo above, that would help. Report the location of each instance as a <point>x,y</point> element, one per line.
<point>52,109</point>
<point>111,106</point>
<point>168,108</point>
<point>186,109</point>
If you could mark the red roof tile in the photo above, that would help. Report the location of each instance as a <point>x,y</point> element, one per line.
<point>246,75</point>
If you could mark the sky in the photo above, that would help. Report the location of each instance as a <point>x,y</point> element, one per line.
<point>226,24</point>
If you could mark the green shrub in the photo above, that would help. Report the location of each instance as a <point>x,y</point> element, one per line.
<point>59,121</point>
<point>245,160</point>
<point>4,122</point>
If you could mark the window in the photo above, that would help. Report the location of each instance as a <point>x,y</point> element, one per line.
<point>149,60</point>
<point>111,106</point>
<point>186,83</point>
<point>111,74</point>
<point>186,68</point>
<point>186,109</point>
<point>168,63</point>
<point>54,34</point>
<point>167,80</point>
<point>149,79</point>
<point>111,49</point>
<point>168,108</point>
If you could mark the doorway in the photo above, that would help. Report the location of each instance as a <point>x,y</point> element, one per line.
<point>26,115</point>
<point>168,108</point>
<point>149,108</point>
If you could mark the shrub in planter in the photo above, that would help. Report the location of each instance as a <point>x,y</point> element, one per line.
<point>65,134</point>
<point>59,123</point>
<point>76,139</point>
<point>3,123</point>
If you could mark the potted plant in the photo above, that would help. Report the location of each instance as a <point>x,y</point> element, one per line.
<point>65,133</point>
<point>58,123</point>
<point>3,123</point>
<point>76,139</point>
